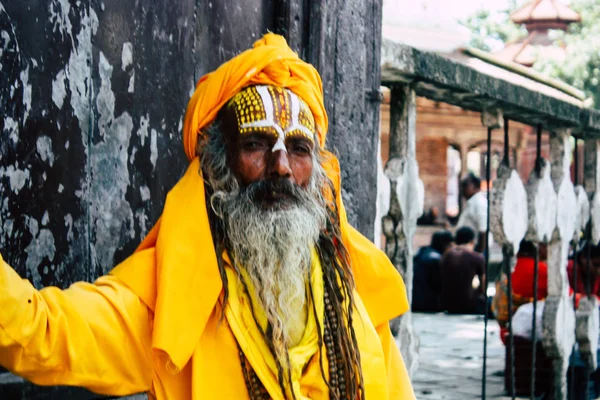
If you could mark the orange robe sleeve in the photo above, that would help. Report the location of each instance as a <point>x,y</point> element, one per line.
<point>95,336</point>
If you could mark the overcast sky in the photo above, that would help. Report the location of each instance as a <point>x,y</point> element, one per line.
<point>442,12</point>
<point>433,24</point>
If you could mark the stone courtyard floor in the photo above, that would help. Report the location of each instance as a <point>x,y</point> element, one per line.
<point>451,357</point>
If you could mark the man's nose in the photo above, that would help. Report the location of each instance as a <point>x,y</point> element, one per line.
<point>280,164</point>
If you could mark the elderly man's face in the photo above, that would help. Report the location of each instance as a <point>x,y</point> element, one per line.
<point>270,134</point>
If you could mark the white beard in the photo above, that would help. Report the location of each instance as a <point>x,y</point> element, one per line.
<point>274,247</point>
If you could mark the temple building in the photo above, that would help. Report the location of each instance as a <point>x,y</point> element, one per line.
<point>451,140</point>
<point>539,17</point>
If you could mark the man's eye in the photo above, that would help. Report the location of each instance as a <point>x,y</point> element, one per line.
<point>253,145</point>
<point>299,148</point>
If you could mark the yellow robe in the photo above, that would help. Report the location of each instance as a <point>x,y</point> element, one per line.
<point>153,324</point>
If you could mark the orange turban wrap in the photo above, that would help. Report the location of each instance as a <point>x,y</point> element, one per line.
<point>270,62</point>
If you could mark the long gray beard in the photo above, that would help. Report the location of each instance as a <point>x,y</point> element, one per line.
<point>274,247</point>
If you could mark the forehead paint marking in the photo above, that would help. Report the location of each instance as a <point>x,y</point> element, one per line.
<point>268,121</point>
<point>295,114</point>
<point>268,106</point>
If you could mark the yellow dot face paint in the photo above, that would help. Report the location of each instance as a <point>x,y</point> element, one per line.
<point>275,111</point>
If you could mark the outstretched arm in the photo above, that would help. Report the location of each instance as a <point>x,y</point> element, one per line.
<point>92,335</point>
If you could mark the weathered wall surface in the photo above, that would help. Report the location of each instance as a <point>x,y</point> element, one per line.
<point>93,95</point>
<point>344,44</point>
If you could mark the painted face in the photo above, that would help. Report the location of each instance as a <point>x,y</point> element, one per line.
<point>273,137</point>
<point>275,111</point>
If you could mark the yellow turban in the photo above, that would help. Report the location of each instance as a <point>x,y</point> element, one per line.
<point>270,62</point>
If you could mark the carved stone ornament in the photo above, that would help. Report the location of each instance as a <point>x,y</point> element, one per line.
<point>411,195</point>
<point>399,226</point>
<point>558,325</point>
<point>410,192</point>
<point>508,214</point>
<point>541,202</point>
<point>566,215</point>
<point>587,330</point>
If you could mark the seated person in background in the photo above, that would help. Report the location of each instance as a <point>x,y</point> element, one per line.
<point>462,274</point>
<point>426,265</point>
<point>522,279</point>
<point>429,217</point>
<point>522,284</point>
<point>583,270</point>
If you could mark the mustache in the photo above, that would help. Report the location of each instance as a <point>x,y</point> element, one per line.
<point>278,188</point>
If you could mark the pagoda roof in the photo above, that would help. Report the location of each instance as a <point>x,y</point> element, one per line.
<point>544,11</point>
<point>527,51</point>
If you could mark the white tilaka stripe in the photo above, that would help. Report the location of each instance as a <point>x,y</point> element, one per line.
<point>295,108</point>
<point>267,100</point>
<point>295,116</point>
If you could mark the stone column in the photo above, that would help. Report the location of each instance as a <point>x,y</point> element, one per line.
<point>558,321</point>
<point>383,196</point>
<point>508,208</point>
<point>508,213</point>
<point>587,318</point>
<point>406,205</point>
<point>464,150</point>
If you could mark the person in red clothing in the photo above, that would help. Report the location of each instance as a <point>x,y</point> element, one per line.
<point>522,276</point>
<point>522,283</point>
<point>585,271</point>
<point>523,296</point>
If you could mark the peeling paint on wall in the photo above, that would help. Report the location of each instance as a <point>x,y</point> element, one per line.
<point>77,72</point>
<point>143,129</point>
<point>12,128</point>
<point>59,16</point>
<point>142,219</point>
<point>44,149</point>
<point>112,217</point>
<point>126,55</point>
<point>131,86</point>
<point>39,249</point>
<point>69,226</point>
<point>26,93</point>
<point>17,177</point>
<point>153,148</point>
<point>59,90</point>
<point>145,193</point>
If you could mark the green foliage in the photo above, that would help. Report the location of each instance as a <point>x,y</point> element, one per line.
<point>581,68</point>
<point>582,65</point>
<point>490,31</point>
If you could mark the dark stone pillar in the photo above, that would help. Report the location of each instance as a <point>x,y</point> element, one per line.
<point>93,95</point>
<point>343,40</point>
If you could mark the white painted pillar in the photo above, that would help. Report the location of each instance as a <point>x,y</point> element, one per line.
<point>586,317</point>
<point>406,205</point>
<point>558,321</point>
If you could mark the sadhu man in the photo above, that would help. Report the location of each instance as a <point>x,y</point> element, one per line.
<point>252,285</point>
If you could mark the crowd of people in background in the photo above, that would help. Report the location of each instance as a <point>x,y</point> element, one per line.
<point>450,272</point>
<point>450,276</point>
